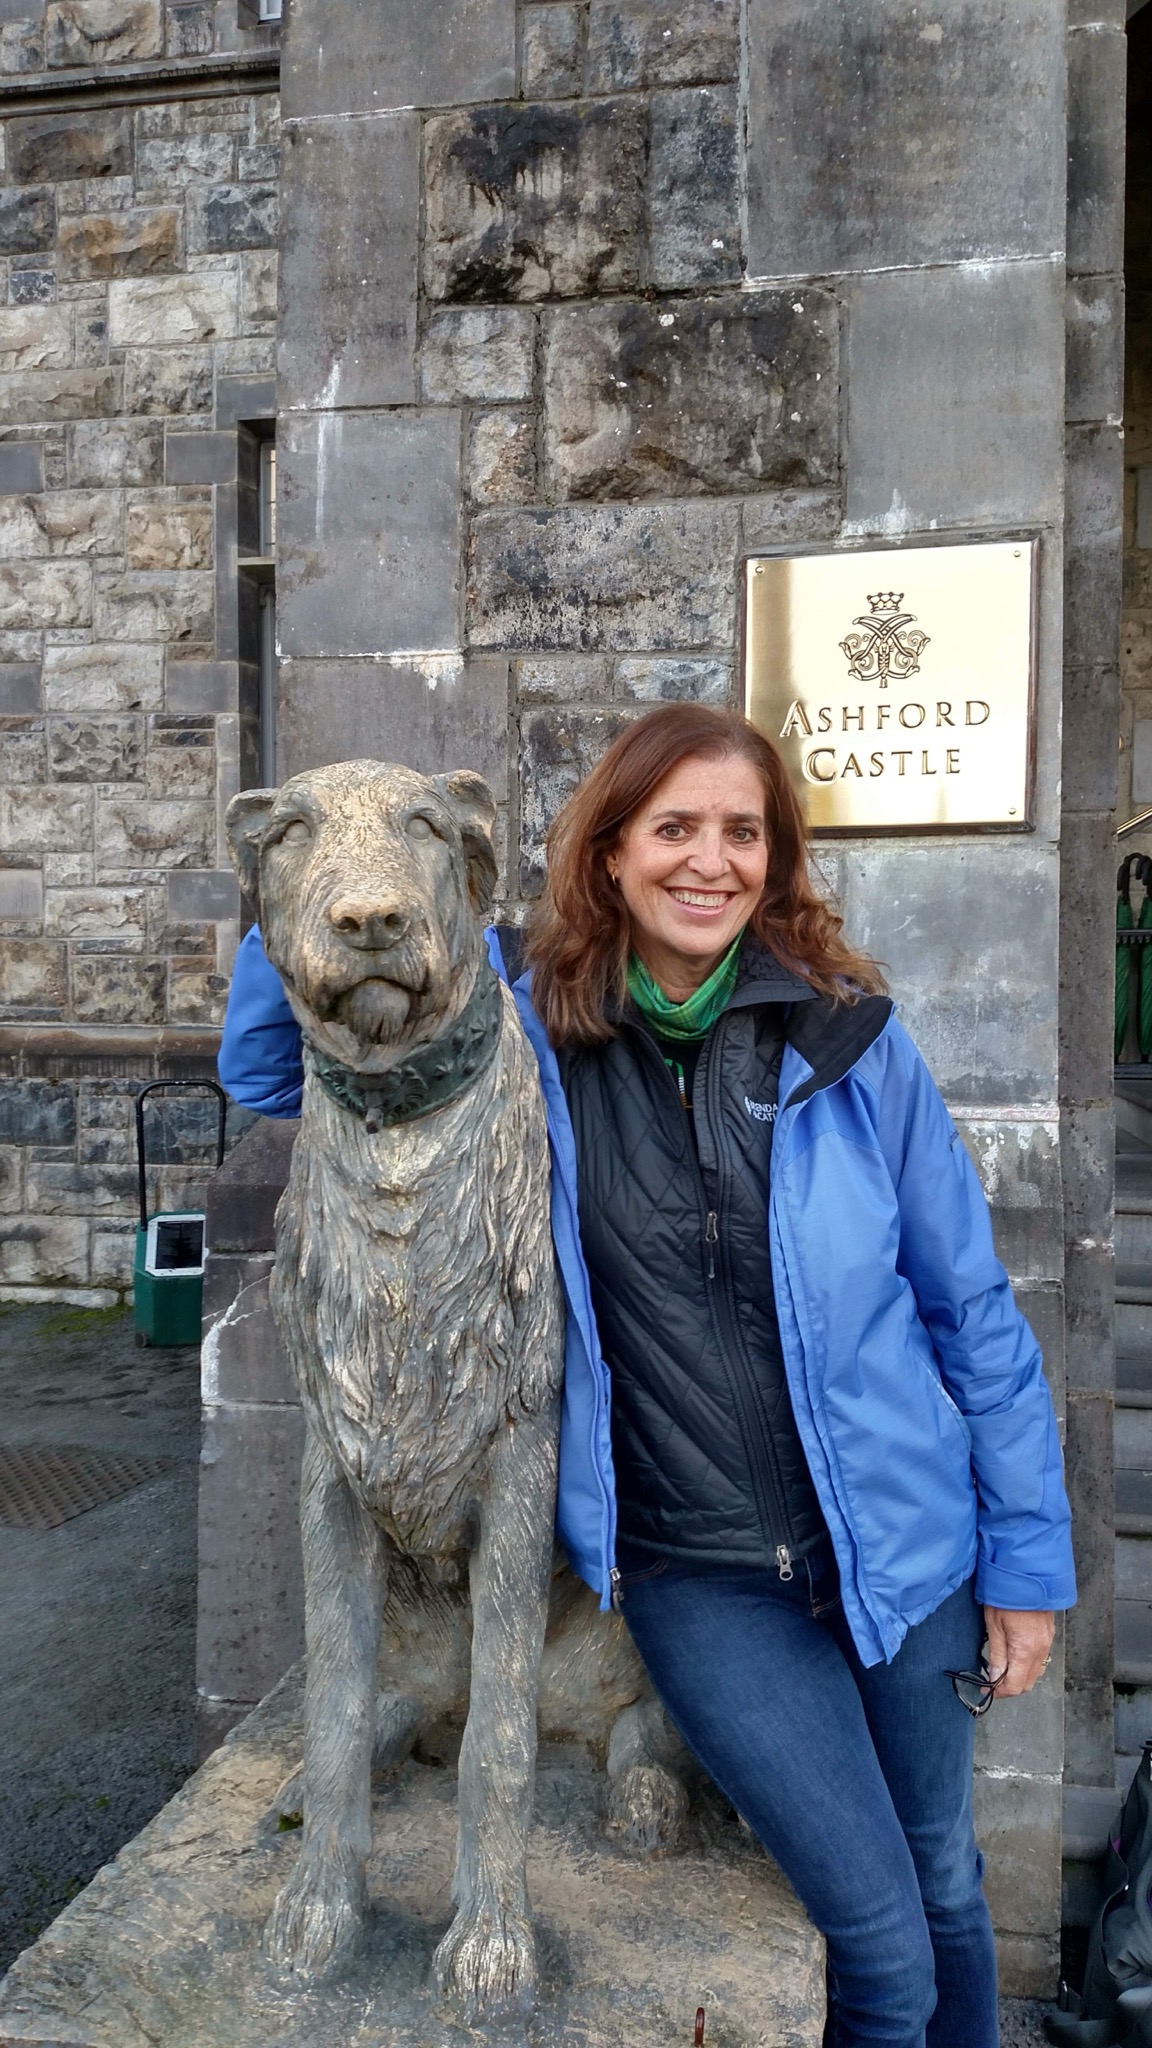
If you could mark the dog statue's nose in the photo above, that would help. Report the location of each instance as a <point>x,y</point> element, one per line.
<point>368,922</point>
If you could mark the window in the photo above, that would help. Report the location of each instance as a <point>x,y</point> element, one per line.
<point>270,10</point>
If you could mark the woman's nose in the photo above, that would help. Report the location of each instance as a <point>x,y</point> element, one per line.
<point>709,858</point>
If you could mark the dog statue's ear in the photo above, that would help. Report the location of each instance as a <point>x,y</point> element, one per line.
<point>244,823</point>
<point>474,809</point>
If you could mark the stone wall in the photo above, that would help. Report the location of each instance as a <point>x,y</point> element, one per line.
<point>1135,791</point>
<point>138,256</point>
<point>656,287</point>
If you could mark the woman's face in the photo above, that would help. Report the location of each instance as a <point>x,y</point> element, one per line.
<point>691,865</point>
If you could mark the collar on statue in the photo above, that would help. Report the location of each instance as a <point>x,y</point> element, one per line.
<point>429,1078</point>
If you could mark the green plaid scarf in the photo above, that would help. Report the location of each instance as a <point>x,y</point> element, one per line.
<point>684,1022</point>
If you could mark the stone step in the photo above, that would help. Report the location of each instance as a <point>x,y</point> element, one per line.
<point>1133,1567</point>
<point>1134,1114</point>
<point>1133,1660</point>
<point>1134,1380</point>
<point>1133,1326</point>
<point>1132,1231</point>
<point>1133,1503</point>
<point>1134,1182</point>
<point>1132,1439</point>
<point>1134,1283</point>
<point>1132,1718</point>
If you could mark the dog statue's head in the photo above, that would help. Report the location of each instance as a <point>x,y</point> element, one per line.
<point>371,883</point>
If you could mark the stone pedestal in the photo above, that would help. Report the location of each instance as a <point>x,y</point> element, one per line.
<point>163,1948</point>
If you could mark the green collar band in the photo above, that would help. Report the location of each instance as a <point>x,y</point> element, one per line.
<point>429,1078</point>
<point>684,1021</point>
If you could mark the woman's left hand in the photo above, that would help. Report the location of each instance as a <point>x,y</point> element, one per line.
<point>1018,1648</point>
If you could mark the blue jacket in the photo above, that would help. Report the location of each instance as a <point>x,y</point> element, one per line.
<point>916,1382</point>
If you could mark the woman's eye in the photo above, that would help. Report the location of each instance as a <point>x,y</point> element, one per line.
<point>419,828</point>
<point>296,833</point>
<point>671,831</point>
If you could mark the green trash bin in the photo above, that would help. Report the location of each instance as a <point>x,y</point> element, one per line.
<point>168,1274</point>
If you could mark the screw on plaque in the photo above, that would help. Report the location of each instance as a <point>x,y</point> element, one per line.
<point>698,2036</point>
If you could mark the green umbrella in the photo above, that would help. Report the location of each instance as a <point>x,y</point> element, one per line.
<point>1124,923</point>
<point>1140,965</point>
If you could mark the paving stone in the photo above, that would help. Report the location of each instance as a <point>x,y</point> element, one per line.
<point>500,457</point>
<point>45,594</point>
<point>551,60</point>
<point>368,541</point>
<point>557,749</point>
<point>981,444</point>
<point>133,834</point>
<point>96,749</point>
<point>694,196</point>
<point>23,753</point>
<point>637,43</point>
<point>398,59</point>
<point>96,676</point>
<point>143,604</point>
<point>433,716</point>
<point>236,216</point>
<point>37,1113</point>
<point>35,337</point>
<point>348,329</point>
<point>102,31</point>
<point>116,452</point>
<point>46,147</point>
<point>873,140</point>
<point>478,352</point>
<point>33,977</point>
<point>114,989</point>
<point>60,523</point>
<point>27,220</point>
<point>160,534</point>
<point>531,202</point>
<point>21,466</point>
<point>623,577</point>
<point>686,396</point>
<point>661,679</point>
<point>32,397</point>
<point>20,687</point>
<point>105,913</point>
<point>150,311</point>
<point>130,244</point>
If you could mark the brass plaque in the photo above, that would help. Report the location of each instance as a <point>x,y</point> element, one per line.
<point>897,684</point>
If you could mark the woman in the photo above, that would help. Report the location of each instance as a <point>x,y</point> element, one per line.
<point>834,1471</point>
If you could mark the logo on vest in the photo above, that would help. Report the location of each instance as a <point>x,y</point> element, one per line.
<point>762,1112</point>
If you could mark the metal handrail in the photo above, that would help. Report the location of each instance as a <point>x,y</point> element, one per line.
<point>1143,817</point>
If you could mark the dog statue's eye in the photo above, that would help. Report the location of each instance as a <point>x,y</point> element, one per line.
<point>296,834</point>
<point>420,828</point>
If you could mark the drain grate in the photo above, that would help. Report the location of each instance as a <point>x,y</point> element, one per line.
<point>43,1485</point>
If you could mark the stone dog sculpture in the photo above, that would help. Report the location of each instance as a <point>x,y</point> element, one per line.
<point>415,1291</point>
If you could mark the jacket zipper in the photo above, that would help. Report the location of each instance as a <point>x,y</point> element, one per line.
<point>772,1511</point>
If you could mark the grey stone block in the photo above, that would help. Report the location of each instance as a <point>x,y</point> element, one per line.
<point>788,519</point>
<point>397,58</point>
<point>1097,77</point>
<point>250,1622</point>
<point>237,217</point>
<point>1089,1470</point>
<point>1089,1736</point>
<point>242,1358</point>
<point>1018,1828</point>
<point>561,679</point>
<point>21,466</point>
<point>27,220</point>
<point>1019,1166</point>
<point>204,895</point>
<point>369,533</point>
<point>1027,1965</point>
<point>1088,1154</point>
<point>693,187</point>
<point>878,136</point>
<point>557,749</point>
<point>685,396</point>
<point>1093,546</point>
<point>639,43</point>
<point>500,456</point>
<point>662,679</point>
<point>201,686</point>
<point>1027,1737</point>
<point>52,147</point>
<point>532,202</point>
<point>20,687</point>
<point>37,1113</point>
<point>115,453</point>
<point>967,933</point>
<point>951,379</point>
<point>244,398</point>
<point>242,1195</point>
<point>483,352</point>
<point>551,54</point>
<point>1091,721</point>
<point>433,716</point>
<point>1087,956</point>
<point>1094,328</point>
<point>621,577</point>
<point>201,456</point>
<point>347,265</point>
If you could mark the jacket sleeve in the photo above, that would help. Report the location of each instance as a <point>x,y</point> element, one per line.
<point>989,1360</point>
<point>260,1061</point>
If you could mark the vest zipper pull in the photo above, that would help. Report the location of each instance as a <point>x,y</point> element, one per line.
<point>711,1236</point>
<point>614,1584</point>
<point>784,1562</point>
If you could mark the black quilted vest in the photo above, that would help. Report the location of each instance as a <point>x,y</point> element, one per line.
<point>709,1464</point>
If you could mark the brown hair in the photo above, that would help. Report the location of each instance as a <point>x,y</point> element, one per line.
<point>578,938</point>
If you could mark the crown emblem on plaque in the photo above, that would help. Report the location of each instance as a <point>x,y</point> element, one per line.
<point>890,643</point>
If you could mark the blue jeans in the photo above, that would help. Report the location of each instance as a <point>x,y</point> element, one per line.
<point>858,1782</point>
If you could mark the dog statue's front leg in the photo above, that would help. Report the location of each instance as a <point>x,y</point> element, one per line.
<point>487,1960</point>
<point>320,1910</point>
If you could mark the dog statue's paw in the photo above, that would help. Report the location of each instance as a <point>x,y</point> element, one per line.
<point>316,1920</point>
<point>287,1808</point>
<point>486,1963</point>
<point>648,1807</point>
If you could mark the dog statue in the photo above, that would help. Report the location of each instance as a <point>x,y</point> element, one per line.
<point>416,1293</point>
